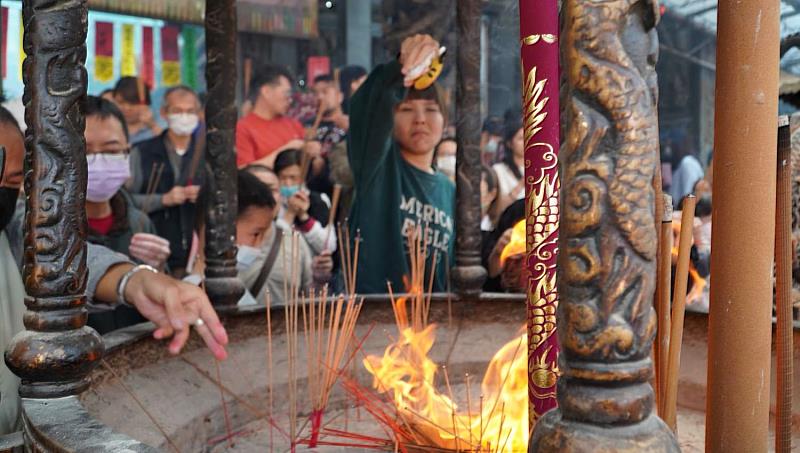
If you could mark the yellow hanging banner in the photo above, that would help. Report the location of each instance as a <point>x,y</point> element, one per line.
<point>127,64</point>
<point>104,51</point>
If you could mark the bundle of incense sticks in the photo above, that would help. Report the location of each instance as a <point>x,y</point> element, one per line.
<point>670,396</point>
<point>291,305</point>
<point>150,191</point>
<point>328,335</point>
<point>419,290</point>
<point>198,149</point>
<point>349,260</point>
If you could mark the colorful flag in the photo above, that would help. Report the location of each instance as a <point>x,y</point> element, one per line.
<point>189,59</point>
<point>170,56</point>
<point>127,63</point>
<point>147,63</point>
<point>104,51</point>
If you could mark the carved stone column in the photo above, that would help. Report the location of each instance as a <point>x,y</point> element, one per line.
<point>608,241</point>
<point>55,354</point>
<point>222,285</point>
<point>468,274</point>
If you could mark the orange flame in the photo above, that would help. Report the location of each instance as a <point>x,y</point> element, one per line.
<point>518,242</point>
<point>494,420</point>
<point>698,282</point>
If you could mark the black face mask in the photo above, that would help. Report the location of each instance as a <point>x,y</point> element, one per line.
<point>8,204</point>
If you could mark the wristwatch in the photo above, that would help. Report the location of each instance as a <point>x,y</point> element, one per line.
<point>123,282</point>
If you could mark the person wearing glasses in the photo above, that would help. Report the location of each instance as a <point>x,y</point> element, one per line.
<point>114,221</point>
<point>167,172</point>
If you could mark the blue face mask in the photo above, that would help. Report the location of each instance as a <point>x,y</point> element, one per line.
<point>288,191</point>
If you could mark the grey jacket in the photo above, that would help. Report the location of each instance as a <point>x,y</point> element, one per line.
<point>98,258</point>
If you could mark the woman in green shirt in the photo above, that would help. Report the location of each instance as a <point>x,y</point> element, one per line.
<point>393,132</point>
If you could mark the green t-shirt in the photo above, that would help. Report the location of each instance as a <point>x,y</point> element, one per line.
<point>392,196</point>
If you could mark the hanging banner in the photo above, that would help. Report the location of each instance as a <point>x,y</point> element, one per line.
<point>540,84</point>
<point>317,66</point>
<point>104,51</point>
<point>189,57</point>
<point>127,63</point>
<point>4,43</point>
<point>147,62</point>
<point>170,56</point>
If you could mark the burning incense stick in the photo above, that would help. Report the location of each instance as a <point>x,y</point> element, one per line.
<point>678,311</point>
<point>663,302</point>
<point>140,404</point>
<point>783,288</point>
<point>225,413</point>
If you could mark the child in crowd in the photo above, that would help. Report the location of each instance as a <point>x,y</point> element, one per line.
<point>306,211</point>
<point>393,132</point>
<point>322,264</point>
<point>267,255</point>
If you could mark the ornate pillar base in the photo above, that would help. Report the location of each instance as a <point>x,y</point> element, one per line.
<point>468,280</point>
<point>54,364</point>
<point>554,433</point>
<point>223,286</point>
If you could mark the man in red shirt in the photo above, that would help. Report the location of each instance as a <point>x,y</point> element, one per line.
<point>266,131</point>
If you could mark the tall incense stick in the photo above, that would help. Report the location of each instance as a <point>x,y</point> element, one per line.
<point>678,311</point>
<point>663,287</point>
<point>783,287</point>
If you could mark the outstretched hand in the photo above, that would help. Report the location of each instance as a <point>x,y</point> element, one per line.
<point>175,308</point>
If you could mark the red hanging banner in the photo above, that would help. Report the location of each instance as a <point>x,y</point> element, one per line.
<point>4,43</point>
<point>317,66</point>
<point>540,109</point>
<point>148,64</point>
<point>104,51</point>
<point>170,55</point>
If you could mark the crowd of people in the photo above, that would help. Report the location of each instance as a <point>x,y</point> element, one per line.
<point>378,146</point>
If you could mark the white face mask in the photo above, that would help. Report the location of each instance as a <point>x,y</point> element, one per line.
<point>491,146</point>
<point>246,256</point>
<point>183,123</point>
<point>447,165</point>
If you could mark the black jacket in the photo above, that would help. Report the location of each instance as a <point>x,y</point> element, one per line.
<point>174,223</point>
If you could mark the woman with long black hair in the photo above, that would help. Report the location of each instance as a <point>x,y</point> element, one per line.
<point>511,170</point>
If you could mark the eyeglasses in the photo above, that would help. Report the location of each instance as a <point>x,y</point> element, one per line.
<point>110,152</point>
<point>172,111</point>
